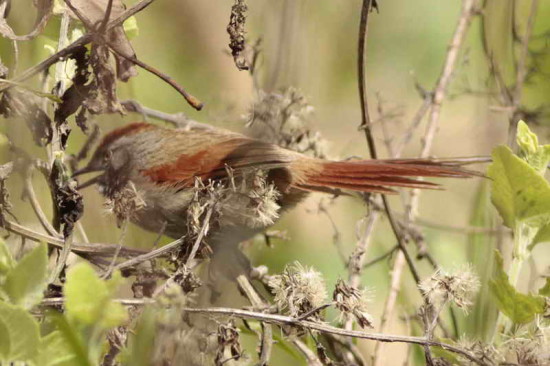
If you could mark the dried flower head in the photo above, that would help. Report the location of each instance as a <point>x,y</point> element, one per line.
<point>228,339</point>
<point>124,203</point>
<point>352,301</point>
<point>529,347</point>
<point>247,199</point>
<point>458,286</point>
<point>286,116</point>
<point>298,289</point>
<point>482,351</point>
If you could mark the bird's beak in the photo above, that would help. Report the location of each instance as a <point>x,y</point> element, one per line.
<point>85,170</point>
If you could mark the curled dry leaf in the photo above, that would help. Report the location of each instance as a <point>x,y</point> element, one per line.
<point>5,204</point>
<point>68,201</point>
<point>17,103</point>
<point>236,31</point>
<point>228,338</point>
<point>95,12</point>
<point>43,13</point>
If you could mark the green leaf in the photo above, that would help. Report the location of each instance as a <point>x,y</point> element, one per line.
<point>55,351</point>
<point>536,155</point>
<point>527,141</point>
<point>518,192</point>
<point>520,308</point>
<point>73,340</point>
<point>23,333</point>
<point>5,343</point>
<point>545,290</point>
<point>142,341</point>
<point>26,282</point>
<point>131,27</point>
<point>543,235</point>
<point>6,260</point>
<point>88,298</point>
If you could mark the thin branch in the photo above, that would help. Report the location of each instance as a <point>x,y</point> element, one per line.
<point>31,195</point>
<point>266,342</point>
<point>366,125</point>
<point>150,255</point>
<point>521,73</point>
<point>52,301</point>
<point>100,36</point>
<point>362,45</point>
<point>192,100</point>
<point>357,258</point>
<point>436,99</point>
<point>380,258</point>
<point>95,249</point>
<point>309,355</point>
<point>325,328</point>
<point>202,233</point>
<point>177,119</point>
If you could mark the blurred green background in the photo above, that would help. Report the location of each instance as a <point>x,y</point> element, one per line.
<point>311,45</point>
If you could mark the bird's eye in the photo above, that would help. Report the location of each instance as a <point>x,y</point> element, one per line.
<point>107,156</point>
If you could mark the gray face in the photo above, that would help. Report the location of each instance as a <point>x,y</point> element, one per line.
<point>114,164</point>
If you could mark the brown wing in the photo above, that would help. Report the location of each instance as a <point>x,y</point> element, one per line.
<point>210,162</point>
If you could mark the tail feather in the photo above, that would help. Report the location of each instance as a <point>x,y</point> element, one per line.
<point>378,176</point>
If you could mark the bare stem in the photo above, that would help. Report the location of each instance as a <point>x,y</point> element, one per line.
<point>436,98</point>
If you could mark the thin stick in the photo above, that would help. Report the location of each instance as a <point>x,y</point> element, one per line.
<point>192,100</point>
<point>325,328</point>
<point>202,233</point>
<point>150,255</point>
<point>52,301</point>
<point>266,342</point>
<point>96,249</point>
<point>437,96</point>
<point>177,119</point>
<point>521,73</point>
<point>380,258</point>
<point>33,200</point>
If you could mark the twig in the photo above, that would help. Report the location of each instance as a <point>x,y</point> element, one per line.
<point>322,327</point>
<point>362,45</point>
<point>266,343</point>
<point>51,301</point>
<point>193,101</point>
<point>314,311</point>
<point>357,258</point>
<point>202,233</point>
<point>95,249</point>
<point>521,73</point>
<point>310,356</point>
<point>177,119</point>
<point>366,125</point>
<point>436,100</point>
<point>150,255</point>
<point>100,36</point>
<point>56,146</point>
<point>31,195</point>
<point>62,258</point>
<point>380,258</point>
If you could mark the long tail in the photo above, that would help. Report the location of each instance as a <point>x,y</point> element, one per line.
<point>378,176</point>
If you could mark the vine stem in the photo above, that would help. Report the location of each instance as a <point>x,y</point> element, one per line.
<point>523,236</point>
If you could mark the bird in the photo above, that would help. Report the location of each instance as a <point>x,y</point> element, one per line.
<point>166,167</point>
